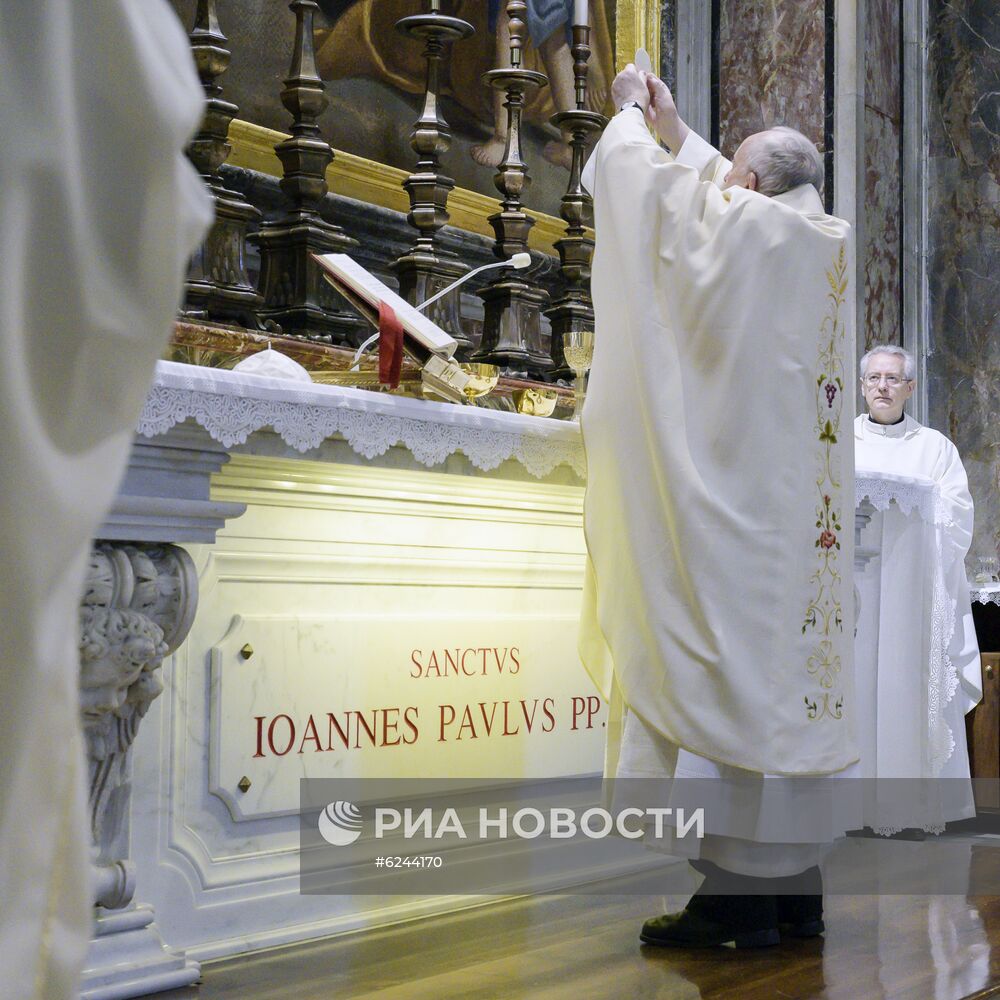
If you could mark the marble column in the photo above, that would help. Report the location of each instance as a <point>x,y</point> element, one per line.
<point>963,363</point>
<point>137,608</point>
<point>668,45</point>
<point>881,249</point>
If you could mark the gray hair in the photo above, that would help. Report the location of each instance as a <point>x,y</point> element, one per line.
<point>785,159</point>
<point>909,362</point>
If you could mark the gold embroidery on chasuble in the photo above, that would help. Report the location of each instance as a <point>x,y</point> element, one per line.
<point>824,614</point>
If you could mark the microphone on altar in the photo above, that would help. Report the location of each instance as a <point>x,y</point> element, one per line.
<point>519,261</point>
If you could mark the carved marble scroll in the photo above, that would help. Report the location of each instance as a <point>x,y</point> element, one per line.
<point>137,608</point>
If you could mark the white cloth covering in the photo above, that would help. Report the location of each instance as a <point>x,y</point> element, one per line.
<point>273,364</point>
<point>231,406</point>
<point>918,666</point>
<point>718,587</point>
<point>99,213</point>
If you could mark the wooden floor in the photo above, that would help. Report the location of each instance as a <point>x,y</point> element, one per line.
<point>587,948</point>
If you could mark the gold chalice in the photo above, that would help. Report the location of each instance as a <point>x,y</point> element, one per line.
<point>482,380</point>
<point>578,348</point>
<point>535,402</point>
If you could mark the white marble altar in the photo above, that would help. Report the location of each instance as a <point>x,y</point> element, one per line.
<point>378,530</point>
<point>139,604</point>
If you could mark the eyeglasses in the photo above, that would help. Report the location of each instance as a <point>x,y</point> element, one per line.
<point>872,379</point>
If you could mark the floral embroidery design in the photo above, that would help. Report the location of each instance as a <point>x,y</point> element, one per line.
<point>824,614</point>
<point>815,711</point>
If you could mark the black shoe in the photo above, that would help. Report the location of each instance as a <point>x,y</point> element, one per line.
<point>709,919</point>
<point>689,930</point>
<point>800,915</point>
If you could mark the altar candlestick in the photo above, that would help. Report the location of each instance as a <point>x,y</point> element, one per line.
<point>427,266</point>
<point>218,286</point>
<point>572,314</point>
<point>296,296</point>
<point>512,336</point>
<point>580,12</point>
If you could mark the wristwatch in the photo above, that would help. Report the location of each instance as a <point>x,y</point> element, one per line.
<point>631,104</point>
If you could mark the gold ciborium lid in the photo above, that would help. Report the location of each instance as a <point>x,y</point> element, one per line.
<point>535,402</point>
<point>482,380</point>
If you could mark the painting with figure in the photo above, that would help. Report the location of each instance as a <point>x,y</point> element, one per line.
<point>375,80</point>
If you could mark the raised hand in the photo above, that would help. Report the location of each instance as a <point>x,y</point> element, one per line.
<point>662,115</point>
<point>630,85</point>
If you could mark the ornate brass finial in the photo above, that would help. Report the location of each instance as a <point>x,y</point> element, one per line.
<point>426,267</point>
<point>516,11</point>
<point>512,326</point>
<point>295,294</point>
<point>218,286</point>
<point>573,310</point>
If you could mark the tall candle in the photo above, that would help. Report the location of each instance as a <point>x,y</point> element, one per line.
<point>435,6</point>
<point>580,13</point>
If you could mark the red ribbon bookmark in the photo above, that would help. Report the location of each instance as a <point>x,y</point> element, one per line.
<point>390,346</point>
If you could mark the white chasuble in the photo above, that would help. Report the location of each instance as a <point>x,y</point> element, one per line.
<point>720,495</point>
<point>99,213</point>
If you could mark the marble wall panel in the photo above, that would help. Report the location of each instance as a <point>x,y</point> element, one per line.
<point>882,67</point>
<point>964,251</point>
<point>668,43</point>
<point>882,238</point>
<point>882,250</point>
<point>771,68</point>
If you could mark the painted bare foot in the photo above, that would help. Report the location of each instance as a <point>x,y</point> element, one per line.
<point>489,153</point>
<point>597,92</point>
<point>558,153</point>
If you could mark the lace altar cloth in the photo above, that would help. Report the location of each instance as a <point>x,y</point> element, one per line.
<point>231,406</point>
<point>909,493</point>
<point>986,594</point>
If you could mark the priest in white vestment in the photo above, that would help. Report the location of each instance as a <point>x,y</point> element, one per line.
<point>913,709</point>
<point>99,213</point>
<point>718,605</point>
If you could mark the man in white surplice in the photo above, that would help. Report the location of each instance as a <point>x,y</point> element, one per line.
<point>717,612</point>
<point>913,592</point>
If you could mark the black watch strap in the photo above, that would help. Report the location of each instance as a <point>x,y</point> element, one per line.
<point>631,104</point>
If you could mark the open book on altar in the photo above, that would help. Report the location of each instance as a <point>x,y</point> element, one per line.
<point>424,341</point>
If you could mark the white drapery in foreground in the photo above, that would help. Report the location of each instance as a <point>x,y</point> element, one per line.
<point>99,213</point>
